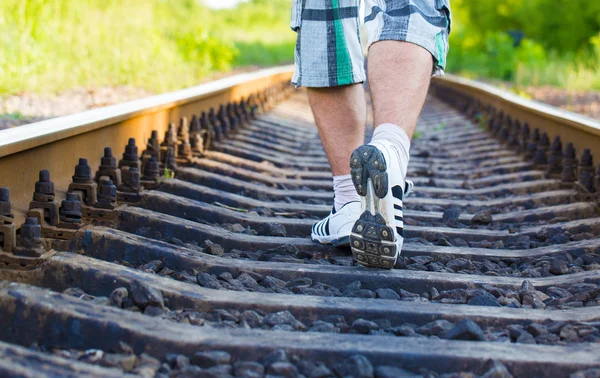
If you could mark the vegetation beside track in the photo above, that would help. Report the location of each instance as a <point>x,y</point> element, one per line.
<point>527,42</point>
<point>160,45</point>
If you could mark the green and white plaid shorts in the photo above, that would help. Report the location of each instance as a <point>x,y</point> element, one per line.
<point>329,52</point>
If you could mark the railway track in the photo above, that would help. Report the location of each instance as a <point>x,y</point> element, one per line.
<point>188,255</point>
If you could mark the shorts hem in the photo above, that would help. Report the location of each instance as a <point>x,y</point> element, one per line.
<point>324,81</point>
<point>420,41</point>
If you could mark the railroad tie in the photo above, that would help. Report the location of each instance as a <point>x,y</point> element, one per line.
<point>191,255</point>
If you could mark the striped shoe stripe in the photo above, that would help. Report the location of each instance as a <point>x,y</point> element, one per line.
<point>316,228</point>
<point>400,231</point>
<point>320,228</point>
<point>398,192</point>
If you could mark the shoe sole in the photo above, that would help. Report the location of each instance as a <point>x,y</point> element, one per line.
<point>342,241</point>
<point>372,239</point>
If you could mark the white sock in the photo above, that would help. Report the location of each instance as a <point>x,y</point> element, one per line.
<point>398,137</point>
<point>344,191</point>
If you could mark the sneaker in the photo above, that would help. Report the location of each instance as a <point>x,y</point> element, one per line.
<point>377,235</point>
<point>336,227</point>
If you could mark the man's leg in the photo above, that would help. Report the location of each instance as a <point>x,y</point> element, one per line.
<point>330,63</point>
<point>399,75</point>
<point>340,114</point>
<point>408,43</point>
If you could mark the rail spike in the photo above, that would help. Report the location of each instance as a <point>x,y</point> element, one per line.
<point>151,175</point>
<point>130,158</point>
<point>197,143</point>
<point>242,108</point>
<point>569,164</point>
<point>131,181</point>
<point>184,148</point>
<point>195,125</point>
<point>5,205</point>
<point>532,146</point>
<point>31,243</point>
<point>107,195</point>
<point>525,138</point>
<point>554,167</point>
<point>505,130</point>
<point>83,184</point>
<point>540,159</point>
<point>253,106</point>
<point>215,127</point>
<point>183,128</point>
<point>597,183</point>
<point>70,210</point>
<point>170,136</point>
<point>44,199</point>
<point>497,125</point>
<point>8,229</point>
<point>233,119</point>
<point>223,121</point>
<point>152,147</point>
<point>205,132</point>
<point>130,167</point>
<point>108,168</point>
<point>586,171</point>
<point>170,161</point>
<point>514,138</point>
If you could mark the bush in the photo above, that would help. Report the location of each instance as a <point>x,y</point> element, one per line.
<point>483,43</point>
<point>159,45</point>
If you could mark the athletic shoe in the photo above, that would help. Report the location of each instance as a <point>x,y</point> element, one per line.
<point>377,236</point>
<point>336,227</point>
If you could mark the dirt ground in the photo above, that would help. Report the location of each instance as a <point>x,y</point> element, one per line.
<point>25,108</point>
<point>21,109</point>
<point>586,103</point>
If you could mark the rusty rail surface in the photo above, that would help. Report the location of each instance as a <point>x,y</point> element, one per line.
<point>189,256</point>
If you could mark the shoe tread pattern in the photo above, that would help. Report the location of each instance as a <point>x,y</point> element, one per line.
<point>367,162</point>
<point>372,242</point>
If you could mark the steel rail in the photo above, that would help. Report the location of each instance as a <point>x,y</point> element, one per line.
<point>582,131</point>
<point>56,144</point>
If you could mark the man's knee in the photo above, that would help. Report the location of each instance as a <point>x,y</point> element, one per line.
<point>424,23</point>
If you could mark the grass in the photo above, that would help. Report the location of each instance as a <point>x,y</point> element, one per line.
<point>15,116</point>
<point>168,174</point>
<point>487,51</point>
<point>157,45</point>
<point>160,45</point>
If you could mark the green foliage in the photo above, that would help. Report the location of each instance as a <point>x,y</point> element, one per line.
<point>168,174</point>
<point>17,116</point>
<point>260,30</point>
<point>562,25</point>
<point>560,42</point>
<point>159,45</point>
<point>51,45</point>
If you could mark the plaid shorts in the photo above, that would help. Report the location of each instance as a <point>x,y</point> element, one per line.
<point>329,52</point>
